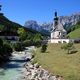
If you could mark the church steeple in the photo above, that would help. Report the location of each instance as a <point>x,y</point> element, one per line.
<point>0,7</point>
<point>58,31</point>
<point>55,18</point>
<point>55,14</point>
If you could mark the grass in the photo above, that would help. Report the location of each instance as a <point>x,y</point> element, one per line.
<point>75,33</point>
<point>57,61</point>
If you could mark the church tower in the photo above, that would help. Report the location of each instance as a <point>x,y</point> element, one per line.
<point>0,7</point>
<point>55,19</point>
<point>58,31</point>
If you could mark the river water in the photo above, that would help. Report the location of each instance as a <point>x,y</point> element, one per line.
<point>12,70</point>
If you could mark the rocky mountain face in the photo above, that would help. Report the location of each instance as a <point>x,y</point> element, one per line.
<point>35,26</point>
<point>67,21</point>
<point>47,26</point>
<point>38,27</point>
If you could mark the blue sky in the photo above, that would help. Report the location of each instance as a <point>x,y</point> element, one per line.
<point>40,10</point>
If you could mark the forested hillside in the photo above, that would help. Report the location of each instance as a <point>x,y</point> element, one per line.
<point>27,37</point>
<point>74,31</point>
<point>7,25</point>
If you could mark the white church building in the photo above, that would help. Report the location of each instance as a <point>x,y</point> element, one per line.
<point>58,33</point>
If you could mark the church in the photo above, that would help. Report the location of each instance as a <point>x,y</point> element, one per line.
<point>58,33</point>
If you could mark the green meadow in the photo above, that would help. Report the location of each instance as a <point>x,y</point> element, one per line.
<point>57,61</point>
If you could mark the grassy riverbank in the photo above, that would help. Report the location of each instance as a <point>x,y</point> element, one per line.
<point>57,61</point>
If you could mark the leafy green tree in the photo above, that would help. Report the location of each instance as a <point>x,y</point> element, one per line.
<point>37,39</point>
<point>22,34</point>
<point>1,27</point>
<point>5,50</point>
<point>18,46</point>
<point>28,43</point>
<point>69,47</point>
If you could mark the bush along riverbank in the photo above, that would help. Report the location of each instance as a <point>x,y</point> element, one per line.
<point>5,51</point>
<point>36,72</point>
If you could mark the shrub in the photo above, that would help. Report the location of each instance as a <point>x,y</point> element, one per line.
<point>44,48</point>
<point>28,43</point>
<point>7,49</point>
<point>69,47</point>
<point>37,44</point>
<point>37,40</point>
<point>22,34</point>
<point>18,46</point>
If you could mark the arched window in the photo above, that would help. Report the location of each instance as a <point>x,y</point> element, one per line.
<point>59,33</point>
<point>64,42</point>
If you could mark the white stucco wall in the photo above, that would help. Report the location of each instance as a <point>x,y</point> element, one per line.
<point>58,34</point>
<point>61,40</point>
<point>52,35</point>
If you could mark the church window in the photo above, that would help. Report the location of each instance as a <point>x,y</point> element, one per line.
<point>63,35</point>
<point>59,33</point>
